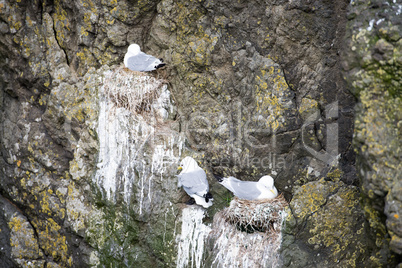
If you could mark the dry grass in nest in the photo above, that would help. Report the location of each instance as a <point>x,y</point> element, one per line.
<point>260,215</point>
<point>135,91</point>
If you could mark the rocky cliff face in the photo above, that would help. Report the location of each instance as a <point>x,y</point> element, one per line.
<point>372,64</point>
<point>87,174</point>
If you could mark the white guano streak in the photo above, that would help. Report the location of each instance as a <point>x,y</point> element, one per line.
<point>127,140</point>
<point>192,238</point>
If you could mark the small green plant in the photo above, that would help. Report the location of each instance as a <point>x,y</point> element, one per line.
<point>228,198</point>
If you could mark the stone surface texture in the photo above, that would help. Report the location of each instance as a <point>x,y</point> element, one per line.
<point>307,91</point>
<point>372,64</point>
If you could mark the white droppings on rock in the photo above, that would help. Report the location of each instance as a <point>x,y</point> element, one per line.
<point>192,238</point>
<point>371,24</point>
<point>136,144</point>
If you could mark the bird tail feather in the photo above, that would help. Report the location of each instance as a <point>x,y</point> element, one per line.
<point>160,65</point>
<point>218,178</point>
<point>200,200</point>
<point>208,196</point>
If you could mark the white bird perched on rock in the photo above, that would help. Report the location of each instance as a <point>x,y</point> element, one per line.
<point>194,182</point>
<point>250,190</point>
<point>136,60</point>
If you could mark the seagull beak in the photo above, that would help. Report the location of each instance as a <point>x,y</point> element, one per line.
<point>179,168</point>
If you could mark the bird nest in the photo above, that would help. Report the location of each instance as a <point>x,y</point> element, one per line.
<point>132,90</point>
<point>248,233</point>
<point>261,215</point>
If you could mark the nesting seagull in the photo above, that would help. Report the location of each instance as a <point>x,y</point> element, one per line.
<point>136,60</point>
<point>250,190</point>
<point>194,182</point>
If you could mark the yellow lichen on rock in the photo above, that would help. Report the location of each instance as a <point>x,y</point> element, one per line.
<point>334,223</point>
<point>307,107</point>
<point>52,241</point>
<point>311,197</point>
<point>24,244</point>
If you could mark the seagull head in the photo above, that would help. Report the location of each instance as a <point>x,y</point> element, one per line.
<point>268,182</point>
<point>188,164</point>
<point>134,49</point>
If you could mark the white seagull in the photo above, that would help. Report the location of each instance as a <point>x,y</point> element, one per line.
<point>136,60</point>
<point>250,190</point>
<point>194,182</point>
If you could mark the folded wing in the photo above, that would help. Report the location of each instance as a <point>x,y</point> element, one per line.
<point>194,182</point>
<point>142,62</point>
<point>242,189</point>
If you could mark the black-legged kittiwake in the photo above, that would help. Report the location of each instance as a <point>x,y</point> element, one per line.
<point>250,190</point>
<point>194,182</point>
<point>136,60</point>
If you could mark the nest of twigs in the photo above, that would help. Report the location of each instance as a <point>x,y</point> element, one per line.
<point>250,216</point>
<point>134,91</point>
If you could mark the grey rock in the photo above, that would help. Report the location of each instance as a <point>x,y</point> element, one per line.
<point>245,79</point>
